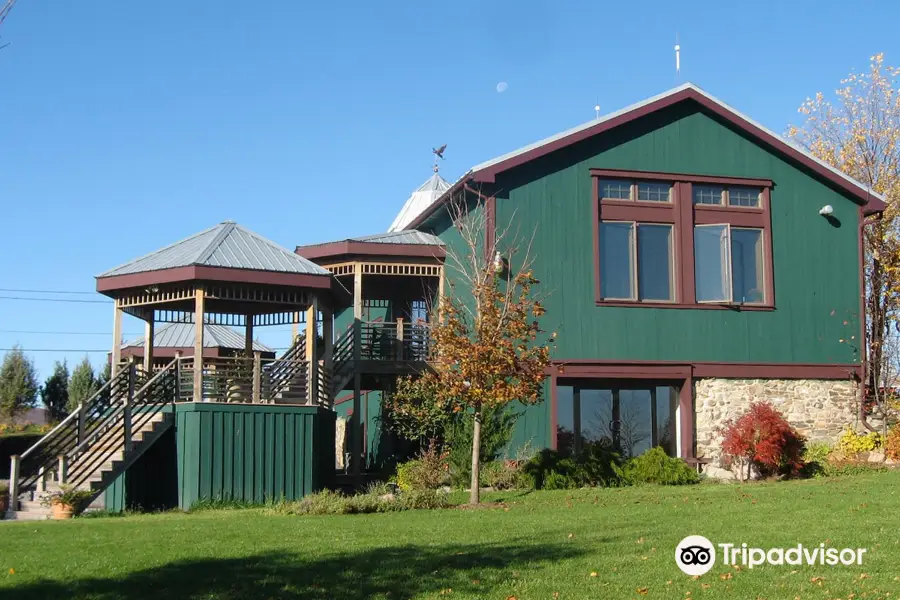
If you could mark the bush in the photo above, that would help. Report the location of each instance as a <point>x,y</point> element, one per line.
<point>816,460</point>
<point>503,475</point>
<point>497,424</point>
<point>428,472</point>
<point>328,502</point>
<point>851,443</point>
<point>655,466</point>
<point>763,438</point>
<point>596,465</point>
<point>892,443</point>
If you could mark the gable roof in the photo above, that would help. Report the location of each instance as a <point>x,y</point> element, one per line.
<point>182,335</point>
<point>487,171</point>
<point>420,200</point>
<point>225,245</point>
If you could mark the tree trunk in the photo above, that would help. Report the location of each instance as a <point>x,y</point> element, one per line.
<point>475,493</point>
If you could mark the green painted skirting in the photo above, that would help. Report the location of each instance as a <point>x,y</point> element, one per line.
<point>241,452</point>
<point>252,453</point>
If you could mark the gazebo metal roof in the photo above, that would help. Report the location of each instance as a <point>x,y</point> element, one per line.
<point>183,335</point>
<point>225,245</point>
<point>408,243</point>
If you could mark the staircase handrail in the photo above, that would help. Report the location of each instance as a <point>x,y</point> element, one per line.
<point>159,375</point>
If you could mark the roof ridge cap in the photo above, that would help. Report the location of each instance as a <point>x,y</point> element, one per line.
<point>228,227</point>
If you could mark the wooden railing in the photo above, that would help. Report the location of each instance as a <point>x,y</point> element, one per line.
<point>114,435</point>
<point>396,340</point>
<point>89,417</point>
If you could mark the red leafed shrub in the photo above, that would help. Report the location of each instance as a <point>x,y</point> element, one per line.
<point>763,438</point>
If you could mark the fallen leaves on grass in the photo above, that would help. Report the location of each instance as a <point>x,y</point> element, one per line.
<point>642,591</point>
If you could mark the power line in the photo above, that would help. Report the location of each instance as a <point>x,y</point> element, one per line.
<point>52,350</point>
<point>106,333</point>
<point>56,300</point>
<point>46,291</point>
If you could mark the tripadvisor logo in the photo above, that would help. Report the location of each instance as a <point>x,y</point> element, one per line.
<point>696,555</point>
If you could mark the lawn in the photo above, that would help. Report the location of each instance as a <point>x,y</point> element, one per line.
<point>594,543</point>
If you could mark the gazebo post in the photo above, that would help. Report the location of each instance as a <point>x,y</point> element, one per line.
<point>328,336</point>
<point>248,336</point>
<point>356,441</point>
<point>149,332</point>
<point>199,308</point>
<point>312,361</point>
<point>117,340</point>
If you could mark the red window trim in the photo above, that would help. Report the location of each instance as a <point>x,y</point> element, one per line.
<point>684,214</point>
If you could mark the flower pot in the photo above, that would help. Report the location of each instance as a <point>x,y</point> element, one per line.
<point>4,503</point>
<point>61,511</point>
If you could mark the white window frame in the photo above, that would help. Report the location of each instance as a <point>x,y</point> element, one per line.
<point>729,268</point>
<point>633,253</point>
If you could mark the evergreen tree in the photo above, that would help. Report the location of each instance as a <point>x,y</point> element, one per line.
<point>82,385</point>
<point>55,392</point>
<point>18,383</point>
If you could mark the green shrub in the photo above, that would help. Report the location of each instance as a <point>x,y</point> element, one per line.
<point>428,472</point>
<point>497,424</point>
<point>815,459</point>
<point>841,468</point>
<point>655,466</point>
<point>851,443</point>
<point>420,499</point>
<point>503,475</point>
<point>597,465</point>
<point>558,481</point>
<point>328,502</point>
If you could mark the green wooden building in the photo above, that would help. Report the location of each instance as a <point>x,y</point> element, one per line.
<point>693,262</point>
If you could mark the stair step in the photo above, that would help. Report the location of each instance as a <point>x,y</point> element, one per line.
<point>24,515</point>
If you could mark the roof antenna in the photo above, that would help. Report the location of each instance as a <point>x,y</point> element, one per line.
<point>597,108</point>
<point>438,154</point>
<point>677,58</point>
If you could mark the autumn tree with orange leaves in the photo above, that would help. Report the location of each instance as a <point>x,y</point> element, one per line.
<point>859,133</point>
<point>489,347</point>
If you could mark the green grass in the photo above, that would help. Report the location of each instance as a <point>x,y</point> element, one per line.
<point>532,546</point>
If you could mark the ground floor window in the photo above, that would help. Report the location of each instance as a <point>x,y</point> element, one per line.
<point>632,416</point>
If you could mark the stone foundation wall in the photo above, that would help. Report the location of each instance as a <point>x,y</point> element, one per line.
<point>818,408</point>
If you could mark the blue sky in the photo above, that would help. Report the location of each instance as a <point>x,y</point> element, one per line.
<point>129,125</point>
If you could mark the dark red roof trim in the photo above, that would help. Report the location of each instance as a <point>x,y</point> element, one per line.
<point>350,247</point>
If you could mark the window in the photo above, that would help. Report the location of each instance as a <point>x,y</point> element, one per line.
<point>708,194</point>
<point>728,264</point>
<point>697,241</point>
<point>717,195</point>
<point>743,196</point>
<point>617,190</point>
<point>636,267</point>
<point>631,416</point>
<point>654,192</point>
<point>643,191</point>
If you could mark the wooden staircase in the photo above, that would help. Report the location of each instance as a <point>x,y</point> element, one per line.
<point>96,443</point>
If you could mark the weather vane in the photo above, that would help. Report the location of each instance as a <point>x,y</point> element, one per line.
<point>438,154</point>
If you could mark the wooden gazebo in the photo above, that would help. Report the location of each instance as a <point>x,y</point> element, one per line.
<point>228,275</point>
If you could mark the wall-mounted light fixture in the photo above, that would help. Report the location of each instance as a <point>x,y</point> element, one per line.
<point>826,211</point>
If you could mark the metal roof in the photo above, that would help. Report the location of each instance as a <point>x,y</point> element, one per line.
<point>405,236</point>
<point>424,196</point>
<point>536,146</point>
<point>225,245</point>
<point>642,103</point>
<point>181,335</point>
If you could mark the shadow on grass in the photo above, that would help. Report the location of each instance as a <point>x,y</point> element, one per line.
<point>394,572</point>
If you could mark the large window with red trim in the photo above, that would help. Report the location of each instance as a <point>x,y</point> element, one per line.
<point>663,239</point>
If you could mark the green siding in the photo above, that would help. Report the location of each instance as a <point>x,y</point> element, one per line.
<point>252,453</point>
<point>815,263</point>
